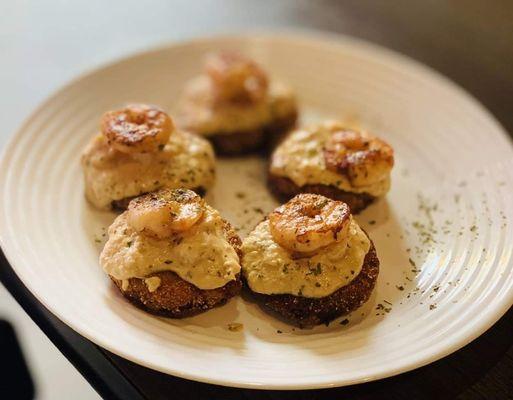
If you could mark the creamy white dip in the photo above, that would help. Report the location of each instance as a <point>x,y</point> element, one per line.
<point>300,158</point>
<point>186,161</point>
<point>201,255</point>
<point>271,269</point>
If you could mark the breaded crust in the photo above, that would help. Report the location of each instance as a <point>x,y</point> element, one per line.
<point>177,298</point>
<point>122,205</point>
<point>284,189</point>
<point>307,312</point>
<point>237,143</point>
<point>244,142</point>
<point>279,129</point>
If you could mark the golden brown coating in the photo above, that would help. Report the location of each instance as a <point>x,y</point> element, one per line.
<point>307,312</point>
<point>265,138</point>
<point>238,143</point>
<point>176,298</point>
<point>279,129</point>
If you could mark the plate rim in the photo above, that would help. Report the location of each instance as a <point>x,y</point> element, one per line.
<point>465,336</point>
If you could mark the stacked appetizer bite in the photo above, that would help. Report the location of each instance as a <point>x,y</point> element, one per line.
<point>139,151</point>
<point>329,159</point>
<point>310,262</point>
<point>173,255</point>
<point>235,106</point>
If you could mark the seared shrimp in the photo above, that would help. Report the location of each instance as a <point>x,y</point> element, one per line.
<point>364,159</point>
<point>236,78</point>
<point>137,128</point>
<point>165,212</point>
<point>309,222</point>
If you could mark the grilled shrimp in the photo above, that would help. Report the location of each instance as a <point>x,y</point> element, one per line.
<point>364,159</point>
<point>165,212</point>
<point>236,78</point>
<point>308,222</point>
<point>137,128</point>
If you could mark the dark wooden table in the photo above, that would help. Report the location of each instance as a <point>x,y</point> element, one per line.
<point>471,42</point>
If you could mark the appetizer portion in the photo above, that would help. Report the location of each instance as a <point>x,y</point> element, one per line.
<point>173,255</point>
<point>309,262</point>
<point>328,159</point>
<point>139,151</point>
<point>235,106</point>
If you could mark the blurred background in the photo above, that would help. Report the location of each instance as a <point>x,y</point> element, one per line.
<point>44,44</point>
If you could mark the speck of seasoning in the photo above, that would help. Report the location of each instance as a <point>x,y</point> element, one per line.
<point>168,262</point>
<point>240,195</point>
<point>432,306</point>
<point>258,210</point>
<point>400,287</point>
<point>344,322</point>
<point>235,327</point>
<point>381,307</point>
<point>317,270</point>
<point>129,243</point>
<point>161,147</point>
<point>278,331</point>
<point>473,228</point>
<point>372,222</point>
<point>412,263</point>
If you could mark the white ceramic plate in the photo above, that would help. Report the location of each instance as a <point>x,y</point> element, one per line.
<point>442,234</point>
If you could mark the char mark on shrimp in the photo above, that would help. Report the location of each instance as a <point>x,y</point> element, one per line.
<point>309,222</point>
<point>137,128</point>
<point>165,212</point>
<point>235,78</point>
<point>358,155</point>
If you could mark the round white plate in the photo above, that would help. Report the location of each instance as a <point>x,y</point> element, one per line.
<point>442,234</point>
